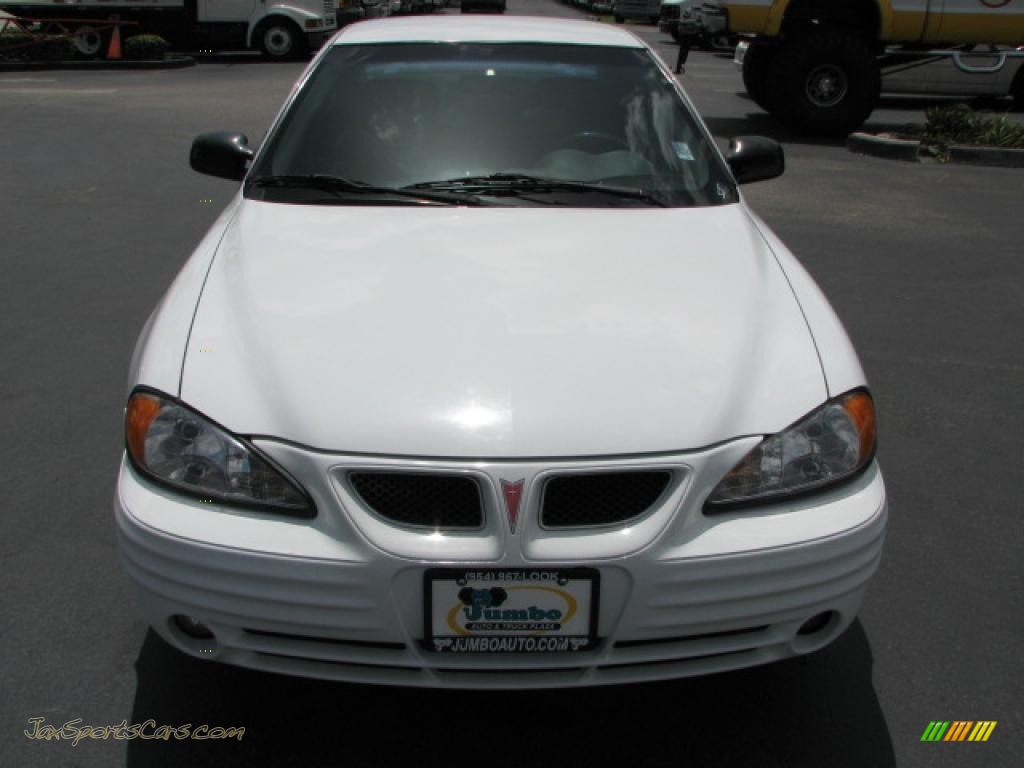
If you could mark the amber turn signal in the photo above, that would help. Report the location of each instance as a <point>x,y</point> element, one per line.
<point>861,409</point>
<point>139,415</point>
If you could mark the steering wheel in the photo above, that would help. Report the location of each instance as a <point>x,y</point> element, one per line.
<point>610,141</point>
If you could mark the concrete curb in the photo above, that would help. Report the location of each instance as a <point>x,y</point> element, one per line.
<point>910,151</point>
<point>994,156</point>
<point>882,146</point>
<point>171,62</point>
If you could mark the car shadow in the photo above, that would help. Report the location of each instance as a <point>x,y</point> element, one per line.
<point>811,711</point>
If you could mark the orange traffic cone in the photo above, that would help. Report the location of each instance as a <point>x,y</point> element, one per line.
<point>114,51</point>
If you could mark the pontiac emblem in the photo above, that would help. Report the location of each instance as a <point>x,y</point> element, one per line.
<point>513,493</point>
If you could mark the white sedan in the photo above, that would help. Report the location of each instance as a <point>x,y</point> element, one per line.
<point>488,377</point>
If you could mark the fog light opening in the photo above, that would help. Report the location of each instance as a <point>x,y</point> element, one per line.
<point>193,627</point>
<point>816,623</point>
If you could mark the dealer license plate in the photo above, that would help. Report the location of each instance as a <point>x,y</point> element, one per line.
<point>512,610</point>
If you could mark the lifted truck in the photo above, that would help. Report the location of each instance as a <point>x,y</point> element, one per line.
<point>816,64</point>
<point>279,28</point>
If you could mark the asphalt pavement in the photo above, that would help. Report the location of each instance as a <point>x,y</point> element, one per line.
<point>98,211</point>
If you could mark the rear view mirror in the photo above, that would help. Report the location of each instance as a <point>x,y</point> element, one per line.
<point>755,158</point>
<point>222,153</point>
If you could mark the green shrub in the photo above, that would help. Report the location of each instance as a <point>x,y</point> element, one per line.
<point>17,46</point>
<point>145,47</point>
<point>959,124</point>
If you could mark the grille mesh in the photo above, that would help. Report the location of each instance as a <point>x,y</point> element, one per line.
<point>434,500</point>
<point>602,498</point>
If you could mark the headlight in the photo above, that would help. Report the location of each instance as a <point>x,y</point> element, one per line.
<point>829,445</point>
<point>186,452</point>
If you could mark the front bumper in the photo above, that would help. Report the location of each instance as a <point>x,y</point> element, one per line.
<point>333,598</point>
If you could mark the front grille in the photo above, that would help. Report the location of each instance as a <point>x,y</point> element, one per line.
<point>600,498</point>
<point>421,499</point>
<point>687,638</point>
<point>385,646</point>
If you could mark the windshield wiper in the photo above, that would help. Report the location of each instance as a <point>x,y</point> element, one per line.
<point>520,183</point>
<point>342,187</point>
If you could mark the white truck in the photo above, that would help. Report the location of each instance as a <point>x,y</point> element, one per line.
<point>279,28</point>
<point>816,65</point>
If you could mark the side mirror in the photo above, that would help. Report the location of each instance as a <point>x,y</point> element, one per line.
<point>755,158</point>
<point>222,154</point>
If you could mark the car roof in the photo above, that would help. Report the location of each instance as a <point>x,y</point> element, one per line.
<point>465,29</point>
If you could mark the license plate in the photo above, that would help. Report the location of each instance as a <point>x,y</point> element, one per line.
<point>513,610</point>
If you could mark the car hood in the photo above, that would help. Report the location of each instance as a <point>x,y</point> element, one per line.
<point>504,332</point>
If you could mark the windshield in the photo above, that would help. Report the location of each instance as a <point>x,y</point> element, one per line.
<point>498,123</point>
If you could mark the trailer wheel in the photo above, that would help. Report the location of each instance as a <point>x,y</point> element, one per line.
<point>88,41</point>
<point>279,38</point>
<point>757,68</point>
<point>824,82</point>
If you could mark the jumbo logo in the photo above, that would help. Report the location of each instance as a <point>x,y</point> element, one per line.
<point>532,609</point>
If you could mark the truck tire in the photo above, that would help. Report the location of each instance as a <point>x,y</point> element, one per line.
<point>757,68</point>
<point>279,38</point>
<point>824,82</point>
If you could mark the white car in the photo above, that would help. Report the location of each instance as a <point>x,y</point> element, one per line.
<point>488,377</point>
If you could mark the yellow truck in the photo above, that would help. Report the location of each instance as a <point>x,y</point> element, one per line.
<point>816,64</point>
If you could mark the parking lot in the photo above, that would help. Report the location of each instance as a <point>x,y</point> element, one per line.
<point>921,261</point>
